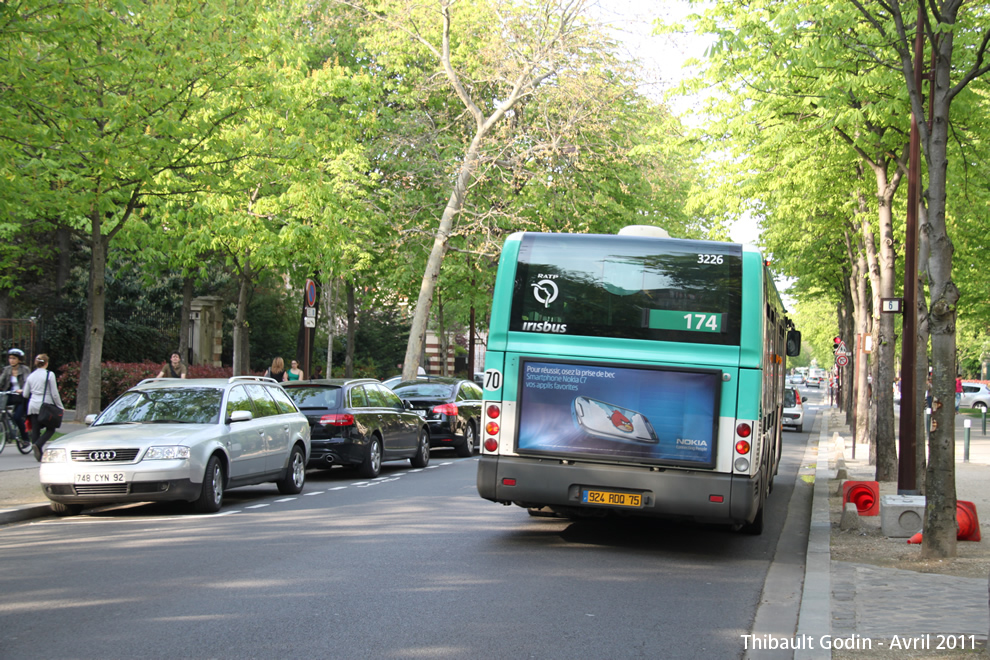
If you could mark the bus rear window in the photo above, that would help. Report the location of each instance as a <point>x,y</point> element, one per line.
<point>628,287</point>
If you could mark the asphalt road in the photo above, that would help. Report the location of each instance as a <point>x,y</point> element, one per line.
<point>410,565</point>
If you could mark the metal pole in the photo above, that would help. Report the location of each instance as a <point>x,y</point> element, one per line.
<point>967,423</point>
<point>907,463</point>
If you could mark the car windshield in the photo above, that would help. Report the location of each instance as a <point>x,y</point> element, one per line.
<point>315,398</point>
<point>187,405</point>
<point>425,390</point>
<point>789,399</point>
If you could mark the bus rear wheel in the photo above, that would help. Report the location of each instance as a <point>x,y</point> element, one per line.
<point>754,528</point>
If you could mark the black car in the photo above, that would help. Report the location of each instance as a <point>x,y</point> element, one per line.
<point>359,422</point>
<point>451,406</point>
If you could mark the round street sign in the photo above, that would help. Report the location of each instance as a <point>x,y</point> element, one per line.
<point>841,360</point>
<point>310,293</point>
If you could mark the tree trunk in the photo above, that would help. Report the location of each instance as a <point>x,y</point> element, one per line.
<point>242,357</point>
<point>351,331</point>
<point>187,297</point>
<point>330,306</point>
<point>90,372</point>
<point>862,402</point>
<point>873,273</point>
<point>885,337</point>
<point>921,357</point>
<point>417,333</point>
<point>940,509</point>
<point>64,241</point>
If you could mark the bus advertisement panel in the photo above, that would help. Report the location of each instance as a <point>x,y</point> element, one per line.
<point>612,412</point>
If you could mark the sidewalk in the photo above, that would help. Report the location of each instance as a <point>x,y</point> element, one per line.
<point>21,497</point>
<point>881,611</point>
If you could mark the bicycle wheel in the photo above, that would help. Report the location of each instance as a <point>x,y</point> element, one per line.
<point>4,431</point>
<point>23,446</point>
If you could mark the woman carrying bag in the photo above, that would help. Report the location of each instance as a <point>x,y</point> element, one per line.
<point>44,404</point>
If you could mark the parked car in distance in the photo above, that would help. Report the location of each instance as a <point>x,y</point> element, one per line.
<point>975,395</point>
<point>794,408</point>
<point>359,422</point>
<point>452,408</point>
<point>177,439</point>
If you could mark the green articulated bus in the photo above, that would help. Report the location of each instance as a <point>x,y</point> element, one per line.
<point>634,374</point>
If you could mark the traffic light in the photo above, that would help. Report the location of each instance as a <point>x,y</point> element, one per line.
<point>836,343</point>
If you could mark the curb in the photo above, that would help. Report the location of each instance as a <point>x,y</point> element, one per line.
<point>25,512</point>
<point>815,616</point>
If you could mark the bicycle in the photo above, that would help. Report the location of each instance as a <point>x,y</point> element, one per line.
<point>8,429</point>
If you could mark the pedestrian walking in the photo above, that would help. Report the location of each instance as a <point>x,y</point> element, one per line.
<point>42,391</point>
<point>12,381</point>
<point>959,391</point>
<point>277,370</point>
<point>174,367</point>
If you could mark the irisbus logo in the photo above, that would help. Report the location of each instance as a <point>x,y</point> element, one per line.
<point>531,326</point>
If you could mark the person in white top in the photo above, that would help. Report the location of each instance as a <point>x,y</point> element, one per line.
<point>12,382</point>
<point>41,387</point>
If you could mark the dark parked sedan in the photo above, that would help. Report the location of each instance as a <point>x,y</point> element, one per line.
<point>359,422</point>
<point>451,406</point>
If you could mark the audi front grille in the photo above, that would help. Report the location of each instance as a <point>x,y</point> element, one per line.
<point>104,455</point>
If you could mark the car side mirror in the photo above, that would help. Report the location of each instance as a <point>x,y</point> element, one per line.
<point>240,416</point>
<point>90,419</point>
<point>793,343</point>
<point>803,399</point>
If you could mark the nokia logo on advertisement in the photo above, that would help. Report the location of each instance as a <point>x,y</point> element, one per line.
<point>530,326</point>
<point>692,443</point>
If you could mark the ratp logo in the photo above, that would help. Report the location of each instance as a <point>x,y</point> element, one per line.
<point>545,292</point>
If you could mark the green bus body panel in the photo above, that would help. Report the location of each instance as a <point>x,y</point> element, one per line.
<point>750,380</point>
<point>751,351</point>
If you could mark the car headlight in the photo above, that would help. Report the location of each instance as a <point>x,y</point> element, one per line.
<point>54,456</point>
<point>166,453</point>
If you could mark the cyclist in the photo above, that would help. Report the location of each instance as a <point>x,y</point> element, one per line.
<point>12,381</point>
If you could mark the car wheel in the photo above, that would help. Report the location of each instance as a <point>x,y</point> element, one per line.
<point>466,448</point>
<point>372,459</point>
<point>422,457</point>
<point>211,494</point>
<point>800,428</point>
<point>294,479</point>
<point>61,509</point>
<point>979,405</point>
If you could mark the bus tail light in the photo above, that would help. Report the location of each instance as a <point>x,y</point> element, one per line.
<point>493,411</point>
<point>742,447</point>
<point>744,430</point>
